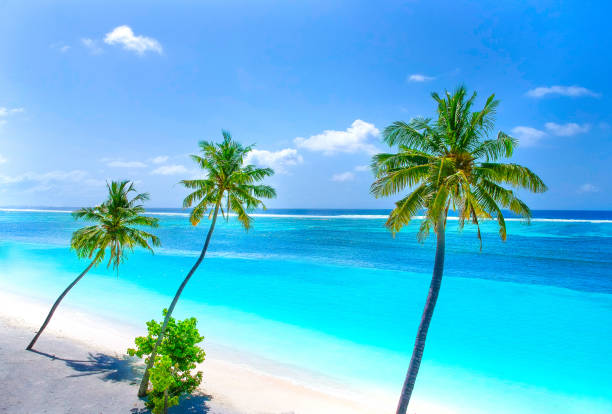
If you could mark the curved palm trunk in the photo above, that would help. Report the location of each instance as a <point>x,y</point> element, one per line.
<point>144,384</point>
<point>56,304</point>
<point>430,304</point>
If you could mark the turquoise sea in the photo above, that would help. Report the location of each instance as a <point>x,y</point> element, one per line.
<point>523,326</point>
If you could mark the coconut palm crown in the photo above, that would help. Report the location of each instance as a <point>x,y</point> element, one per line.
<point>119,226</point>
<point>450,163</point>
<point>229,183</point>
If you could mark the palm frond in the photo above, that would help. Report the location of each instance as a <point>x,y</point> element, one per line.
<point>406,209</point>
<point>398,179</point>
<point>512,174</point>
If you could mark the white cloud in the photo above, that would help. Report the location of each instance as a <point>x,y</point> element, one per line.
<point>528,136</point>
<point>124,35</point>
<point>76,176</point>
<point>92,45</point>
<point>277,160</point>
<point>417,77</point>
<point>357,138</point>
<point>588,188</point>
<point>63,48</point>
<point>4,111</point>
<point>124,164</point>
<point>349,175</point>
<point>3,159</point>
<point>345,176</point>
<point>169,170</point>
<point>573,91</point>
<point>567,130</point>
<point>159,159</point>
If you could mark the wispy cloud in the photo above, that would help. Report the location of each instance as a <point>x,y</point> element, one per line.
<point>91,45</point>
<point>61,47</point>
<point>418,77</point>
<point>342,177</point>
<point>48,179</point>
<point>123,164</point>
<point>573,91</point>
<point>527,136</point>
<point>123,35</point>
<point>349,175</point>
<point>3,159</point>
<point>588,188</point>
<point>170,170</point>
<point>4,112</point>
<point>8,112</point>
<point>159,159</point>
<point>277,160</point>
<point>359,137</point>
<point>567,130</point>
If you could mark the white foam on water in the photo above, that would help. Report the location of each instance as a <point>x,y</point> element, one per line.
<point>319,216</point>
<point>33,210</point>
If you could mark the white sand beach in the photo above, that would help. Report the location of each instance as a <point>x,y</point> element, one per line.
<point>80,366</point>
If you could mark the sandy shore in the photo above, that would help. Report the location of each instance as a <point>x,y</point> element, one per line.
<point>81,367</point>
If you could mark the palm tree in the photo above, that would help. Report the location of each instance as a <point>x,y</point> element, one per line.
<point>449,163</point>
<point>228,183</point>
<point>118,228</point>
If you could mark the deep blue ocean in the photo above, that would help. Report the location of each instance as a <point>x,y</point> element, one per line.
<point>523,326</point>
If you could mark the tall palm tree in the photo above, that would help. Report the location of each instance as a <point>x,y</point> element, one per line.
<point>228,183</point>
<point>119,221</point>
<point>449,163</point>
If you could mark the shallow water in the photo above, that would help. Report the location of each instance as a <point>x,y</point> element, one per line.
<point>523,326</point>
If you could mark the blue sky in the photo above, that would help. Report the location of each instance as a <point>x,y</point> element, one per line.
<point>91,91</point>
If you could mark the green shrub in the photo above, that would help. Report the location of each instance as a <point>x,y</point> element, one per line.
<point>177,356</point>
<point>163,380</point>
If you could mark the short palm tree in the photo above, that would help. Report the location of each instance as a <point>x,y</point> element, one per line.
<point>229,186</point>
<point>447,164</point>
<point>118,229</point>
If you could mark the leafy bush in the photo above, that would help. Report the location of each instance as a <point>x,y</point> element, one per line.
<point>163,379</point>
<point>177,356</point>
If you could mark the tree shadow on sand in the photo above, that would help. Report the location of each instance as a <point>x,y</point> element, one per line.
<point>126,369</point>
<point>109,368</point>
<point>192,404</point>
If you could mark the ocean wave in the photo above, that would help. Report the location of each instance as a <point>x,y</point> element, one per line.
<point>225,254</point>
<point>321,216</point>
<point>33,210</point>
<point>561,220</point>
<point>384,217</point>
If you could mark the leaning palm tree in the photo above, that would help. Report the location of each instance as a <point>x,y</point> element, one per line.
<point>119,221</point>
<point>449,163</point>
<point>229,186</point>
